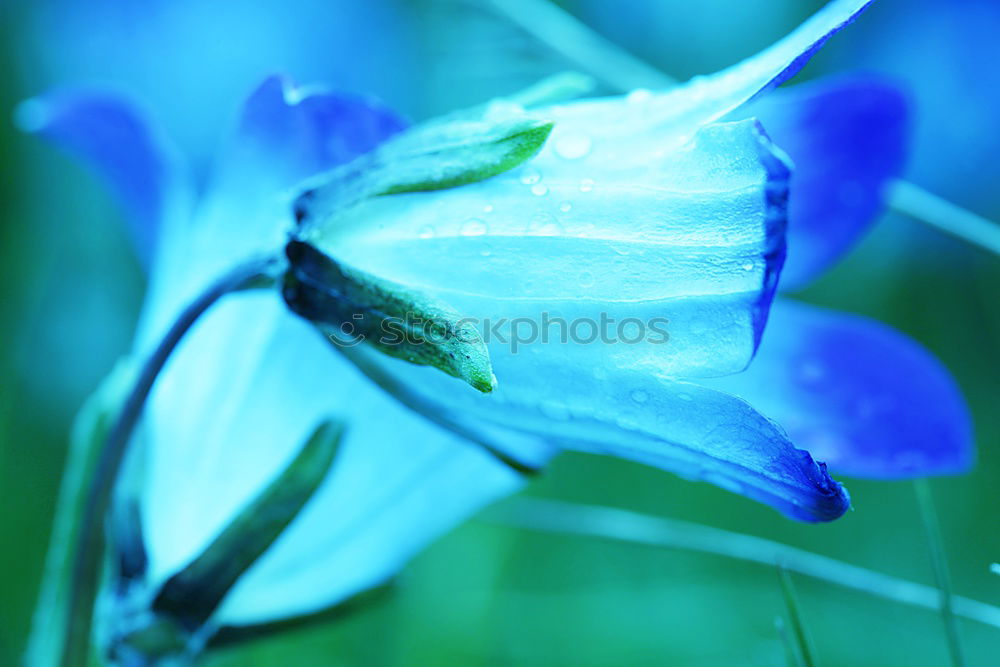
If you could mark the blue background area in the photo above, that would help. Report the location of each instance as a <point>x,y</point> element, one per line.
<point>487,594</point>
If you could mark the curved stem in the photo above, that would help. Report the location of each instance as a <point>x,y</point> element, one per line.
<point>579,43</point>
<point>551,516</point>
<point>914,202</point>
<point>90,543</point>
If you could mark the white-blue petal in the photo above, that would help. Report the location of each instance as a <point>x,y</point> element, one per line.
<point>696,239</point>
<point>232,408</point>
<point>627,409</point>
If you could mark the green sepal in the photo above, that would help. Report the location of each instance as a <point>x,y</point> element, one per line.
<point>89,433</point>
<point>398,321</point>
<point>462,152</point>
<point>192,595</point>
<point>454,150</point>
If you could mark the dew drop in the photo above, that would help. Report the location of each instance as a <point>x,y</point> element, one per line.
<point>539,190</point>
<point>573,146</point>
<point>426,232</point>
<point>749,266</point>
<point>565,207</point>
<point>554,410</point>
<point>638,96</point>
<point>723,482</point>
<point>639,396</point>
<point>488,208</point>
<point>586,185</point>
<point>685,397</point>
<point>544,224</point>
<point>811,373</point>
<point>530,176</point>
<point>587,279</point>
<point>473,227</point>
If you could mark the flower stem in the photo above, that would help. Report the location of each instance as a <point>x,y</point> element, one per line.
<point>802,643</point>
<point>90,540</point>
<point>915,202</point>
<point>551,516</point>
<point>939,562</point>
<point>579,43</point>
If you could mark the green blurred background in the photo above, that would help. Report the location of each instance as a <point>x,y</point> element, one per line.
<point>489,594</point>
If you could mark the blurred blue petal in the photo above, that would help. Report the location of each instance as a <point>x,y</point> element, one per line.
<point>696,238</point>
<point>398,481</point>
<point>848,138</point>
<point>955,86</point>
<point>857,394</point>
<point>627,410</point>
<point>286,133</point>
<point>123,144</point>
<point>283,135</point>
<point>192,60</point>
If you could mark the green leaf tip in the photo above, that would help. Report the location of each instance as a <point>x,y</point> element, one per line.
<point>351,306</point>
<point>459,149</point>
<point>473,158</point>
<point>190,596</point>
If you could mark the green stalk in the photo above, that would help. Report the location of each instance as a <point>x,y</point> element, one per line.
<point>552,516</point>
<point>89,550</point>
<point>939,562</point>
<point>804,646</point>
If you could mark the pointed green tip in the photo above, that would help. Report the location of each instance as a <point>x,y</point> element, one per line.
<point>535,136</point>
<point>483,381</point>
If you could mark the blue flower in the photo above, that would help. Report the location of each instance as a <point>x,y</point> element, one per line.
<point>647,206</point>
<point>251,381</point>
<point>666,204</point>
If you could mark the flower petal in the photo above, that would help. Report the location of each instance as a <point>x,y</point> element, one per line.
<point>624,409</point>
<point>216,438</point>
<point>124,145</point>
<point>857,394</point>
<point>847,138</point>
<point>286,134</point>
<point>698,240</point>
<point>643,124</point>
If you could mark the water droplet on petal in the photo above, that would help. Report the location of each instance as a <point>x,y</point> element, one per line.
<point>565,207</point>
<point>554,410</point>
<point>473,227</point>
<point>545,224</point>
<point>586,279</point>
<point>749,266</point>
<point>727,483</point>
<point>638,96</point>
<point>811,373</point>
<point>530,176</point>
<point>586,185</point>
<point>488,208</point>
<point>573,146</point>
<point>639,396</point>
<point>539,190</point>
